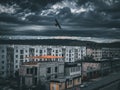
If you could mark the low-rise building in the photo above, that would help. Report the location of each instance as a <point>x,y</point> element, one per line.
<point>94,69</point>
<point>100,61</point>
<point>71,80</point>
<point>32,73</point>
<point>90,69</point>
<point>99,54</point>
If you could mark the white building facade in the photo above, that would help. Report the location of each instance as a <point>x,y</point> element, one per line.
<point>19,54</point>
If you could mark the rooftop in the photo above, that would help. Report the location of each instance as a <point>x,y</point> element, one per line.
<point>45,57</point>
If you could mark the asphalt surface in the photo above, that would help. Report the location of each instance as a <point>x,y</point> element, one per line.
<point>102,82</point>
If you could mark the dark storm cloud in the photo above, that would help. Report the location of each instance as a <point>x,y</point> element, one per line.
<point>87,13</point>
<point>33,5</point>
<point>91,13</point>
<point>10,19</point>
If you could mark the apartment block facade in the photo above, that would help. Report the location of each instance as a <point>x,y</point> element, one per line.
<point>6,61</point>
<point>32,73</point>
<point>99,54</point>
<point>19,53</point>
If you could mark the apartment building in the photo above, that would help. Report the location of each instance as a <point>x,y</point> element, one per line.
<point>70,53</point>
<point>99,54</point>
<point>19,54</point>
<point>102,62</point>
<point>70,81</point>
<point>110,53</point>
<point>6,60</point>
<point>94,69</point>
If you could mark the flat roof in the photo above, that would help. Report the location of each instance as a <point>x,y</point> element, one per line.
<point>45,57</point>
<point>36,62</point>
<point>58,80</point>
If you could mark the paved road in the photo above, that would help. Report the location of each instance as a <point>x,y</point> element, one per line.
<point>103,82</point>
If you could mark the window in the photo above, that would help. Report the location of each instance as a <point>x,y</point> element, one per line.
<point>21,51</point>
<point>35,70</point>
<point>21,56</point>
<point>69,59</point>
<point>16,56</point>
<point>3,51</point>
<point>36,59</point>
<point>40,51</point>
<point>69,82</point>
<point>3,56</point>
<point>35,81</point>
<point>2,62</point>
<point>16,51</point>
<point>2,73</point>
<point>21,61</point>
<point>48,78</point>
<point>56,69</point>
<point>55,76</point>
<point>2,67</point>
<point>44,50</point>
<point>78,79</point>
<point>16,61</point>
<point>49,70</point>
<point>27,71</point>
<point>56,51</point>
<point>16,66</point>
<point>31,71</point>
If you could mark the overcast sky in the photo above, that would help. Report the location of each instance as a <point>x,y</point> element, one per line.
<point>33,16</point>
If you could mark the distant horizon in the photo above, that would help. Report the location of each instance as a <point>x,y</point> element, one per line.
<point>92,39</point>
